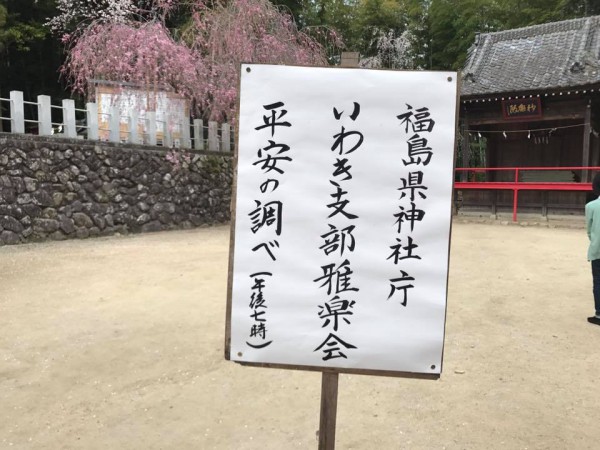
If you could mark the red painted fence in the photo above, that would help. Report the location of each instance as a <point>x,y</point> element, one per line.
<point>517,185</point>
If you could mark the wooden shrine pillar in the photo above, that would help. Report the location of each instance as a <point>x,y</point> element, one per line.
<point>466,149</point>
<point>586,142</point>
<point>595,150</point>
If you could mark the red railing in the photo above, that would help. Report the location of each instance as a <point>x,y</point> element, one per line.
<point>515,185</point>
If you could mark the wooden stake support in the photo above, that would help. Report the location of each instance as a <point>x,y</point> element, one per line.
<point>329,393</point>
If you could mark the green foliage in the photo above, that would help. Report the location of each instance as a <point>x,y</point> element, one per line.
<point>338,15</point>
<point>375,18</point>
<point>451,25</point>
<point>293,7</point>
<point>29,56</point>
<point>14,31</point>
<point>3,17</point>
<point>441,31</point>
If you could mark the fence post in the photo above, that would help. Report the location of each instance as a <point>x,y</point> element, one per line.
<point>44,115</point>
<point>114,125</point>
<point>92,121</point>
<point>198,134</point>
<point>17,112</point>
<point>167,136</point>
<point>185,131</point>
<point>151,127</point>
<point>70,128</point>
<point>213,137</point>
<point>133,126</point>
<point>226,137</point>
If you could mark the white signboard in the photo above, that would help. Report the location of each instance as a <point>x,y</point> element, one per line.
<point>342,221</point>
<point>169,107</point>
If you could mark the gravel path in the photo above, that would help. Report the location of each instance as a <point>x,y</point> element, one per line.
<point>116,343</point>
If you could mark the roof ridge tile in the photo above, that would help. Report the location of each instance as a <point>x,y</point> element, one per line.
<point>539,57</point>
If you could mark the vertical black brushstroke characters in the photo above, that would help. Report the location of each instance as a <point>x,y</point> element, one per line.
<point>338,239</point>
<point>334,309</point>
<point>258,330</point>
<point>333,347</point>
<point>408,215</point>
<point>267,246</point>
<point>418,151</point>
<point>401,284</point>
<point>415,123</point>
<point>339,204</point>
<point>271,121</point>
<point>271,184</point>
<point>338,144</point>
<point>266,215</point>
<point>269,160</point>
<point>355,112</point>
<point>418,121</point>
<point>357,136</point>
<point>337,278</point>
<point>342,168</point>
<point>413,183</point>
<point>400,253</point>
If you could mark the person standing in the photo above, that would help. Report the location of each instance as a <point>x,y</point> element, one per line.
<point>592,220</point>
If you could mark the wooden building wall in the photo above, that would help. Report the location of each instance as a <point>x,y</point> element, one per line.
<point>560,147</point>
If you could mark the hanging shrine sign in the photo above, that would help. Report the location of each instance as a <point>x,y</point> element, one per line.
<point>522,108</point>
<point>340,239</point>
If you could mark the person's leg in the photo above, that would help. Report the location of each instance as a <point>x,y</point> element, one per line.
<point>596,290</point>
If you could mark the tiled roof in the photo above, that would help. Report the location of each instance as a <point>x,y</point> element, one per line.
<point>539,57</point>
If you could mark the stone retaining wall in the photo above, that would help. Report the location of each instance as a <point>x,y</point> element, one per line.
<point>62,188</point>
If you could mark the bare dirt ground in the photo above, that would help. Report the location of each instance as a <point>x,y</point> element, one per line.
<point>117,343</point>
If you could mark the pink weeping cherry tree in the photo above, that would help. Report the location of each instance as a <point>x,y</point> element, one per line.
<point>134,45</point>
<point>252,31</point>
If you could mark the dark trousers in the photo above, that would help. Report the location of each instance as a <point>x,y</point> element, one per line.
<point>596,288</point>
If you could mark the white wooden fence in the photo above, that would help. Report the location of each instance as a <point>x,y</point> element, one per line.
<point>191,134</point>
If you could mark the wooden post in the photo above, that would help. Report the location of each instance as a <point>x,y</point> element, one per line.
<point>134,120</point>
<point>225,137</point>
<point>586,142</point>
<point>213,137</point>
<point>151,127</point>
<point>350,59</point>
<point>466,150</point>
<point>595,150</point>
<point>167,135</point>
<point>545,204</point>
<point>329,392</point>
<point>114,124</point>
<point>198,134</point>
<point>185,131</point>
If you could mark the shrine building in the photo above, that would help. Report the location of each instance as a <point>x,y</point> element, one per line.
<point>529,118</point>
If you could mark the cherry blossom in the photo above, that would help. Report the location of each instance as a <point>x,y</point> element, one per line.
<point>127,41</point>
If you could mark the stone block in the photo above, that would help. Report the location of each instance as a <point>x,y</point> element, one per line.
<point>11,224</point>
<point>67,225</point>
<point>46,226</point>
<point>82,220</point>
<point>9,238</point>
